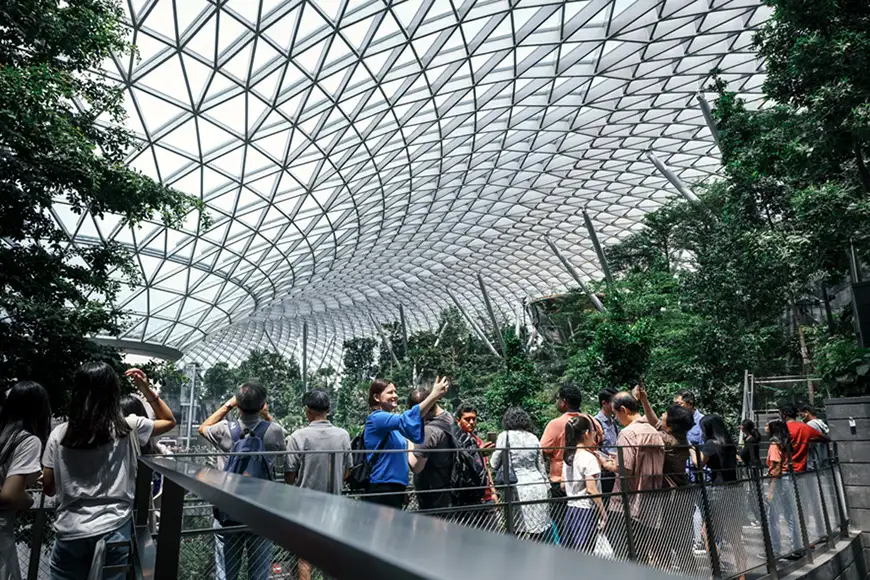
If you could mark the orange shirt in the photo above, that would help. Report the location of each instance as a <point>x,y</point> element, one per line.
<point>554,436</point>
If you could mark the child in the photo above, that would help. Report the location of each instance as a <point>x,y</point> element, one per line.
<point>580,480</point>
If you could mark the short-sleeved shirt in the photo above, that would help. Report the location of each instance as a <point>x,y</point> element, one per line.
<point>582,467</point>
<point>95,487</point>
<point>643,452</point>
<point>801,436</point>
<point>721,460</point>
<point>694,436</point>
<point>611,432</point>
<point>676,456</point>
<point>24,460</point>
<point>219,435</point>
<point>554,437</point>
<point>439,464</point>
<point>776,455</point>
<point>313,469</point>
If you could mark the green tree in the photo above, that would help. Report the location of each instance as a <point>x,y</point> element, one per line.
<point>351,402</point>
<point>283,380</point>
<point>54,294</point>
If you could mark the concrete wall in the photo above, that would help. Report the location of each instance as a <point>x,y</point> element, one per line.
<point>854,448</point>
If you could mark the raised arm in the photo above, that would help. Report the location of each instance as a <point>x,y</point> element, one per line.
<point>647,408</point>
<point>217,416</point>
<point>164,420</point>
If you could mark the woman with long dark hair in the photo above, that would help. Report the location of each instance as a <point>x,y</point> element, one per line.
<point>25,421</point>
<point>780,491</point>
<point>387,430</point>
<point>90,463</point>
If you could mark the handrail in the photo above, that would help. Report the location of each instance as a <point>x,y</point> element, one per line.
<point>351,539</point>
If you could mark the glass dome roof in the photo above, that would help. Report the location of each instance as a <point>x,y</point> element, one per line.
<point>358,155</point>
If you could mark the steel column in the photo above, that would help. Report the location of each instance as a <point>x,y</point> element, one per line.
<point>672,177</point>
<point>602,259</point>
<point>495,327</point>
<point>708,117</point>
<point>385,338</point>
<point>568,266</point>
<point>305,355</point>
<point>472,324</point>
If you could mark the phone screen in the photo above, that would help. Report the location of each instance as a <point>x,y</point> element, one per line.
<point>492,436</point>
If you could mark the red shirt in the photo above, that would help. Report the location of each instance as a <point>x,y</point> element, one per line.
<point>801,435</point>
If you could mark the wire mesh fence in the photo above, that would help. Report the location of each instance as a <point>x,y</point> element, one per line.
<point>700,528</point>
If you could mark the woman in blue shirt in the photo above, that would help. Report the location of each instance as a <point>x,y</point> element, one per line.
<point>385,430</point>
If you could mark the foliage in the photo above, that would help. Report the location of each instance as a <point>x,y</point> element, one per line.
<point>53,295</point>
<point>843,366</point>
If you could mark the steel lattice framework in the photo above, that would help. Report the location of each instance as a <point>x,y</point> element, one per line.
<point>359,155</point>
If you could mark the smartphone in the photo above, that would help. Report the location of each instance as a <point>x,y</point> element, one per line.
<point>492,436</point>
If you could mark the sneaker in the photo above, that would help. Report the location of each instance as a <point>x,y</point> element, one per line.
<point>699,552</point>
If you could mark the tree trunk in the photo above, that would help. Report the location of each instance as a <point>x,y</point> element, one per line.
<point>805,353</point>
<point>862,167</point>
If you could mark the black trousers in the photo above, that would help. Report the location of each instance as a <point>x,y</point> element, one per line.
<point>559,507</point>
<point>388,494</point>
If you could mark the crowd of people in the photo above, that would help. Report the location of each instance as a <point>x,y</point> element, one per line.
<point>569,485</point>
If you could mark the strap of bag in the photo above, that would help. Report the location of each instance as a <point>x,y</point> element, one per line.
<point>235,431</point>
<point>376,455</point>
<point>260,429</point>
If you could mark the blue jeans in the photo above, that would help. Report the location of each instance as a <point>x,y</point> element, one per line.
<point>783,504</point>
<point>71,559</point>
<point>578,531</point>
<point>229,549</point>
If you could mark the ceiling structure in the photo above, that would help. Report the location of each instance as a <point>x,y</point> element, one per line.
<point>359,155</point>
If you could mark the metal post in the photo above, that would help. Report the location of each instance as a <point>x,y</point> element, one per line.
<point>854,263</point>
<point>769,556</point>
<point>506,495</point>
<point>472,324</point>
<point>626,509</point>
<point>602,259</point>
<point>305,356</point>
<point>826,300</point>
<point>142,500</point>
<point>834,460</point>
<point>707,513</point>
<point>38,535</point>
<point>404,331</point>
<point>829,533</point>
<point>708,117</point>
<point>190,404</point>
<point>805,537</point>
<point>169,534</point>
<point>495,327</point>
<point>568,266</point>
<point>671,176</point>
<point>333,488</point>
<point>385,338</point>
<point>441,333</point>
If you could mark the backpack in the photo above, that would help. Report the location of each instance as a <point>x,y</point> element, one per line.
<point>257,466</point>
<point>468,476</point>
<point>359,478</point>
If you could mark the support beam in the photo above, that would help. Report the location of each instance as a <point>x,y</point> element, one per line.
<point>707,111</point>
<point>568,266</point>
<point>386,339</point>
<point>404,330</point>
<point>671,176</point>
<point>441,333</point>
<point>476,329</point>
<point>305,355</point>
<point>495,327</point>
<point>602,260</point>
<point>328,348</point>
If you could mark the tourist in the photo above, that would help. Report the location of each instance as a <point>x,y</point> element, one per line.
<point>227,436</point>
<point>801,434</point>
<point>607,449</point>
<point>25,421</point>
<point>750,456</point>
<point>518,450</point>
<point>818,457</point>
<point>686,399</point>
<point>432,460</point>
<point>568,402</point>
<point>780,491</point>
<point>326,459</point>
<point>719,455</point>
<point>643,455</point>
<point>466,418</point>
<point>90,464</point>
<point>585,512</point>
<point>385,430</point>
<point>131,406</point>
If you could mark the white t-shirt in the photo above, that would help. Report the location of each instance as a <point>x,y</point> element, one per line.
<point>583,466</point>
<point>24,460</point>
<point>95,487</point>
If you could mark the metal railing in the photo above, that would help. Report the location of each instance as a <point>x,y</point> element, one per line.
<point>703,528</point>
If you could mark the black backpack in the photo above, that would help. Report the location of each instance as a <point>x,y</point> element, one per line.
<point>359,478</point>
<point>468,475</point>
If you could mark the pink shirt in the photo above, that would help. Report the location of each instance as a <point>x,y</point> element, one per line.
<point>643,452</point>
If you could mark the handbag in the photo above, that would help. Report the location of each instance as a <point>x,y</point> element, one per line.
<point>498,478</point>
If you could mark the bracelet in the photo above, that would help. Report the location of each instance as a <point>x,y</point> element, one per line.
<point>154,400</point>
